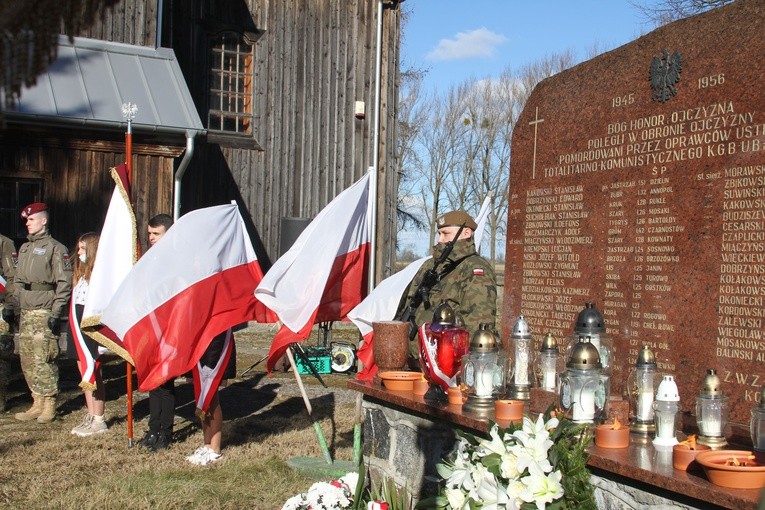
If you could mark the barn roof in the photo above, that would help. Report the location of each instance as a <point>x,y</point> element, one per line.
<point>90,80</point>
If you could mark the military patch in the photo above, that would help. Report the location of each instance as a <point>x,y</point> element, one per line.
<point>477,271</point>
<point>38,250</point>
<point>67,262</point>
<point>15,258</point>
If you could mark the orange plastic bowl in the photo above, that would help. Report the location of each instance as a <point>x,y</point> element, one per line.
<point>399,380</point>
<point>714,462</point>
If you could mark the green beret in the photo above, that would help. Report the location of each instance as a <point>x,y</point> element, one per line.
<point>456,219</point>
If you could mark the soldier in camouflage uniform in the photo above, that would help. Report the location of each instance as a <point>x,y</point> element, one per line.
<point>470,288</point>
<point>42,284</point>
<point>9,313</point>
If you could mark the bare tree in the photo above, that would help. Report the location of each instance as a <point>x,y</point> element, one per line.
<point>667,11</point>
<point>412,115</point>
<point>442,143</point>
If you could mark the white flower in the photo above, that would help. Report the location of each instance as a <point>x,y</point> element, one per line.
<point>509,466</point>
<point>491,494</point>
<point>534,442</point>
<point>534,452</point>
<point>456,497</point>
<point>350,480</point>
<point>514,489</point>
<point>540,488</point>
<point>495,444</point>
<point>294,503</point>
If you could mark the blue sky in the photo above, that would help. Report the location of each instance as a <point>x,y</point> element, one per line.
<point>458,40</point>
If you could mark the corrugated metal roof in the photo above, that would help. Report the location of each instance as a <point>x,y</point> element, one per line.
<point>91,79</point>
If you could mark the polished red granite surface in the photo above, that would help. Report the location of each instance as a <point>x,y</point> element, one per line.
<point>637,182</point>
<point>640,461</point>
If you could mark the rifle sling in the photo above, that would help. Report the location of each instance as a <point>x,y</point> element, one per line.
<point>448,268</point>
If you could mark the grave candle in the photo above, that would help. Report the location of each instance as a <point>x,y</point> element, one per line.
<point>584,409</point>
<point>484,384</point>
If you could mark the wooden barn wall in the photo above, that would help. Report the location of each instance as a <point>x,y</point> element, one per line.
<point>314,60</point>
<point>77,185</point>
<point>130,22</point>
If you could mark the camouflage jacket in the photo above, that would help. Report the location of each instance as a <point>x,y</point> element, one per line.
<point>7,269</point>
<point>470,288</point>
<point>43,261</point>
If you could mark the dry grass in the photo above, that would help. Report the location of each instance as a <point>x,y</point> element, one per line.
<point>265,424</point>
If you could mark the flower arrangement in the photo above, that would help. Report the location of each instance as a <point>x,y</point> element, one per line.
<point>346,493</point>
<point>335,495</point>
<point>541,466</point>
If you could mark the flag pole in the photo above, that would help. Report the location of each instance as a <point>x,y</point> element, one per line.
<point>129,111</point>
<point>309,409</point>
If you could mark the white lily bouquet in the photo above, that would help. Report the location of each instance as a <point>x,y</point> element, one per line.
<point>518,468</point>
<point>335,495</point>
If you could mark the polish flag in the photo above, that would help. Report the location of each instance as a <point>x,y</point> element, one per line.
<point>118,251</point>
<point>196,282</point>
<point>324,275</point>
<point>3,283</point>
<point>382,303</point>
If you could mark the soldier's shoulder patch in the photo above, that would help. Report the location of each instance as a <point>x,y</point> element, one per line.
<point>478,271</point>
<point>15,258</point>
<point>67,262</point>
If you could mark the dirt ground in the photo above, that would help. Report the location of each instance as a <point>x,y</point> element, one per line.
<point>264,416</point>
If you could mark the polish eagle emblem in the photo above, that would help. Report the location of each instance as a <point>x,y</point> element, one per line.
<point>664,75</point>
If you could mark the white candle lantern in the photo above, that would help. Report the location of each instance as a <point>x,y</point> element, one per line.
<point>523,374</point>
<point>642,384</point>
<point>548,364</point>
<point>583,389</point>
<point>665,409</point>
<point>757,426</point>
<point>483,371</point>
<point>590,323</point>
<point>712,412</point>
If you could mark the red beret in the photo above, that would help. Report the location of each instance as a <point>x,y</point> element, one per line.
<point>33,209</point>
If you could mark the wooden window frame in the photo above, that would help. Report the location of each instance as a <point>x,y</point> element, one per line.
<point>230,89</point>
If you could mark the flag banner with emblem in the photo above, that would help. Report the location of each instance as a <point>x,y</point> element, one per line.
<point>324,274</point>
<point>3,283</point>
<point>118,251</point>
<point>382,303</point>
<point>195,282</point>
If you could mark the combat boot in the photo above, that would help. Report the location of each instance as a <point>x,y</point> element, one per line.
<point>33,412</point>
<point>48,413</point>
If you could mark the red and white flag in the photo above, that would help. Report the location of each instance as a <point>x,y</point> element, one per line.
<point>3,283</point>
<point>382,303</point>
<point>118,251</point>
<point>324,275</point>
<point>195,283</point>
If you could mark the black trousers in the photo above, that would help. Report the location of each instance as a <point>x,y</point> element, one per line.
<point>162,408</point>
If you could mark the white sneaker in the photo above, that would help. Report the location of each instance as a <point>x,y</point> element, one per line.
<point>203,456</point>
<point>96,426</point>
<point>84,424</point>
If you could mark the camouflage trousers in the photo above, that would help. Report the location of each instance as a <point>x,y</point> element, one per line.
<point>6,351</point>
<point>38,350</point>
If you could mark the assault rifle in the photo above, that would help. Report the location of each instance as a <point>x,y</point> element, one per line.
<point>429,279</point>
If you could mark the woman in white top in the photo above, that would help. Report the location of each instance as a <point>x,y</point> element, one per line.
<point>88,350</point>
